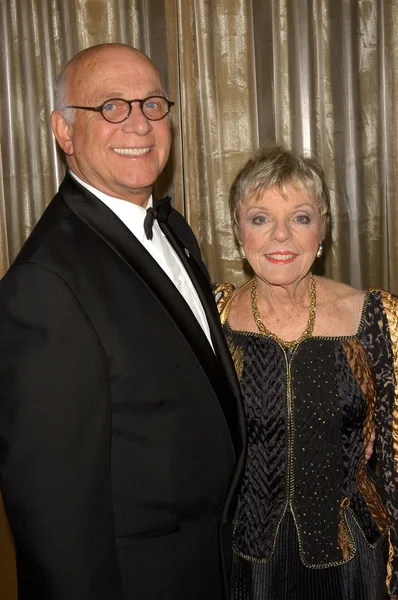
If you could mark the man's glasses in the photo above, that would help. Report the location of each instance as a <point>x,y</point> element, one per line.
<point>117,110</point>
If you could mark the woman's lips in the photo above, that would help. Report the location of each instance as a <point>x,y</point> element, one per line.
<point>281,258</point>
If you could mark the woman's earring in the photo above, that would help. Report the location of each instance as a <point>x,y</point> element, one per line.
<point>320,250</point>
<point>242,253</point>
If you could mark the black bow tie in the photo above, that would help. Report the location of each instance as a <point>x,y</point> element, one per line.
<point>159,211</point>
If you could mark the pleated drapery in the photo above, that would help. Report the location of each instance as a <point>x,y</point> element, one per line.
<point>320,75</point>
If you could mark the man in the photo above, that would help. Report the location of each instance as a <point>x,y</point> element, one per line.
<point>121,429</point>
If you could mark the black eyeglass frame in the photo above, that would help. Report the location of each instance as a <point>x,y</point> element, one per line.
<point>130,103</point>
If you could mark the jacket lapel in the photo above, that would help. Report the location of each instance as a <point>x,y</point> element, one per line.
<point>233,411</point>
<point>120,239</point>
<point>226,382</point>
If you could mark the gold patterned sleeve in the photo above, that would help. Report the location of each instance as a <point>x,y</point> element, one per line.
<point>390,304</point>
<point>222,294</point>
<point>386,418</point>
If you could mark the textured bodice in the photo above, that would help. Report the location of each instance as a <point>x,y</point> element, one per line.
<point>310,412</point>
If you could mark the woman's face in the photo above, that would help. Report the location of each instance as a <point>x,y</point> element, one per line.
<point>280,234</point>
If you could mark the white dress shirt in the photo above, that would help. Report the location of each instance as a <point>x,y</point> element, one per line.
<point>133,215</point>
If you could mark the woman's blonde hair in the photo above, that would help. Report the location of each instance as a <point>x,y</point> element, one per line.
<point>274,166</point>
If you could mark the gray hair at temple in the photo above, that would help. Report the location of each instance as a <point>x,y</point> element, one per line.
<point>274,166</point>
<point>60,98</point>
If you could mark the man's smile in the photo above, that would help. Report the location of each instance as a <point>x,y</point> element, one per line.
<point>131,151</point>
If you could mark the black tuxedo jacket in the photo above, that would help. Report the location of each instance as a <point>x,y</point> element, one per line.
<point>121,431</point>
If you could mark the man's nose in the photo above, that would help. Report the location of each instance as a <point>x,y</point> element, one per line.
<point>137,121</point>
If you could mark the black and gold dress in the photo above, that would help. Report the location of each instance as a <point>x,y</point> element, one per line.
<point>312,523</point>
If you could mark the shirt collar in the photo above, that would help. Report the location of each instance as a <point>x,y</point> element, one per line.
<point>132,215</point>
<point>102,196</point>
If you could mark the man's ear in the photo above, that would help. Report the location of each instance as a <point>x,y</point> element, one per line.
<point>62,131</point>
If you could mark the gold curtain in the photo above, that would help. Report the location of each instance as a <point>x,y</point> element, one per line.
<point>320,75</point>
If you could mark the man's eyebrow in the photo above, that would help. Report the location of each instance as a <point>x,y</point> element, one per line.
<point>156,93</point>
<point>118,94</point>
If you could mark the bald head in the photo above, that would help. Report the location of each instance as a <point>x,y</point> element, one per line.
<point>120,158</point>
<point>73,74</point>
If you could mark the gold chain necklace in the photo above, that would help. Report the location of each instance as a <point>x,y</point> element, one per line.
<point>311,318</point>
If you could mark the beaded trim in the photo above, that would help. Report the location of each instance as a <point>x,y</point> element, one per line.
<point>311,317</point>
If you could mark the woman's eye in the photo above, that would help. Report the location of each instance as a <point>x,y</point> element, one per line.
<point>259,220</point>
<point>302,219</point>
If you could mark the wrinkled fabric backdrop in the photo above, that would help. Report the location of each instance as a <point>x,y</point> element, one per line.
<point>320,75</point>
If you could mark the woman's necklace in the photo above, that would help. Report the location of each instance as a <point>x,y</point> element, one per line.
<point>311,318</point>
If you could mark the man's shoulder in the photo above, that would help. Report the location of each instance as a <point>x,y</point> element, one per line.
<point>58,238</point>
<point>54,214</point>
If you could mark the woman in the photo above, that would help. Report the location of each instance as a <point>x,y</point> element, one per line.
<point>317,362</point>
